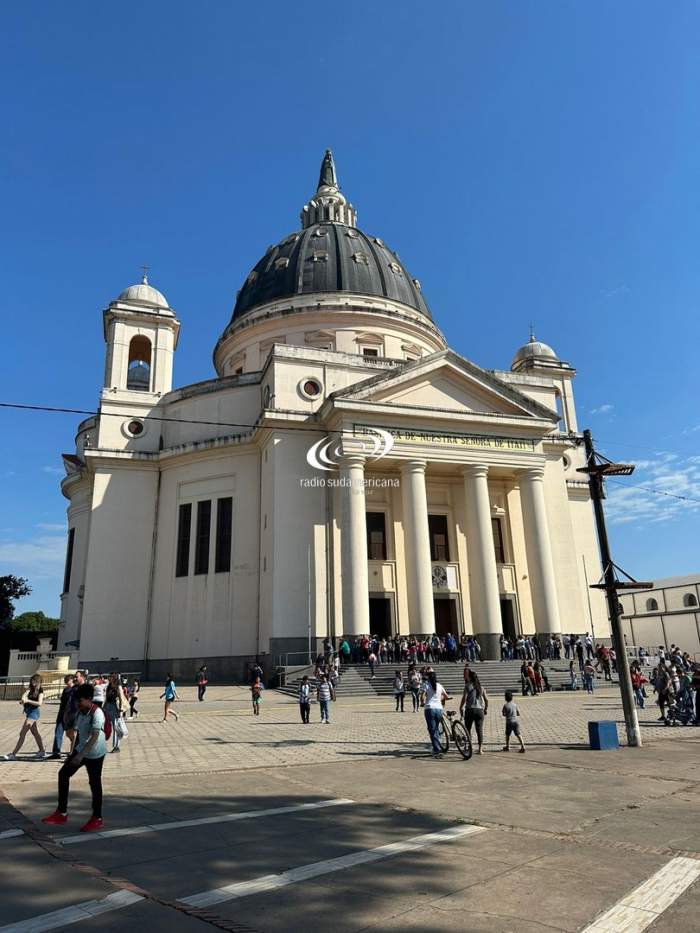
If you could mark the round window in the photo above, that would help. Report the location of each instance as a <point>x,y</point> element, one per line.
<point>135,428</point>
<point>310,388</point>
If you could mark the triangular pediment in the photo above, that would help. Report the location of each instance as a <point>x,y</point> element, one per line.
<point>448,382</point>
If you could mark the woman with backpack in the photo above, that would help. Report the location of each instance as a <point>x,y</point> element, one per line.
<point>31,701</point>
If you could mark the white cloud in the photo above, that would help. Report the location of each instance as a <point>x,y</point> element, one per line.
<point>602,409</point>
<point>617,290</point>
<point>55,471</point>
<point>39,558</point>
<point>668,473</point>
<point>52,526</point>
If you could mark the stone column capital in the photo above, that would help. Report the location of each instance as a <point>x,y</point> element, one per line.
<point>475,469</point>
<point>532,474</point>
<point>414,466</point>
<point>352,460</point>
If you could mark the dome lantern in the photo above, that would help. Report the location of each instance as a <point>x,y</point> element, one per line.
<point>328,204</point>
<point>534,353</point>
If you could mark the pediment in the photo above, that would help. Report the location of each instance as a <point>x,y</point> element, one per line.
<point>447,382</point>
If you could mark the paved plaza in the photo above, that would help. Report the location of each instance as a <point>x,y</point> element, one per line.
<point>264,824</point>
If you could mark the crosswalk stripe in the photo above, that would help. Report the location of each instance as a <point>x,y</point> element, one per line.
<point>74,914</point>
<point>203,821</point>
<point>10,833</point>
<point>645,904</point>
<point>304,872</point>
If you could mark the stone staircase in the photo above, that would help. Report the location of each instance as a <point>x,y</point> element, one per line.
<point>496,677</point>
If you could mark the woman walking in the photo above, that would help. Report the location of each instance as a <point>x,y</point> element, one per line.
<point>399,690</point>
<point>169,695</point>
<point>114,706</point>
<point>436,696</point>
<point>31,701</point>
<point>134,698</point>
<point>473,707</point>
<point>414,683</point>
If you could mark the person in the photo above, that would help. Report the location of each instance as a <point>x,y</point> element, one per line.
<point>436,696</point>
<point>588,675</point>
<point>256,695</point>
<point>257,672</point>
<point>202,681</point>
<point>90,749</point>
<point>473,707</point>
<point>58,728</point>
<point>31,701</point>
<point>134,697</point>
<point>414,685</point>
<point>512,713</point>
<point>345,651</point>
<point>305,699</point>
<point>664,690</point>
<point>72,709</point>
<point>371,661</point>
<point>169,695</point>
<point>573,677</point>
<point>399,690</point>
<point>114,706</point>
<point>324,694</point>
<point>638,681</point>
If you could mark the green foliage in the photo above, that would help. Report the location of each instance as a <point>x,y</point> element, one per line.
<point>33,622</point>
<point>11,589</point>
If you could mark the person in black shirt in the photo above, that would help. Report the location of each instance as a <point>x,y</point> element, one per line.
<point>59,730</point>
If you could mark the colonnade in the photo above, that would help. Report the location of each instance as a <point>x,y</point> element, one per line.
<point>483,584</point>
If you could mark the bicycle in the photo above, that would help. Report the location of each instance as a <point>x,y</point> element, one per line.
<point>452,727</point>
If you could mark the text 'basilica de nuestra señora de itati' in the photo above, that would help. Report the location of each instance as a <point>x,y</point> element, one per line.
<point>344,473</point>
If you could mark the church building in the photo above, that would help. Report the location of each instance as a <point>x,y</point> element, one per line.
<point>345,473</point>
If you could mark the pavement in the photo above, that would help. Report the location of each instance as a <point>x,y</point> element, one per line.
<point>263,824</point>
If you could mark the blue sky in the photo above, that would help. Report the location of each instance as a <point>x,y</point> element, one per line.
<point>529,161</point>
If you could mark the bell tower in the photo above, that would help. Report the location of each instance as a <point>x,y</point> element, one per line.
<point>141,333</point>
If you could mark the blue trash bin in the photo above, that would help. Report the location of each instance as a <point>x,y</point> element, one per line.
<point>603,735</point>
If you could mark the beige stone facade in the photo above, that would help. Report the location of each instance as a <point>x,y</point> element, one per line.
<point>345,472</point>
<point>668,614</point>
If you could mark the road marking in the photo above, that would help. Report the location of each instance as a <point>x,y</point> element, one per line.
<point>646,903</point>
<point>67,915</point>
<point>304,872</point>
<point>9,833</point>
<point>204,821</point>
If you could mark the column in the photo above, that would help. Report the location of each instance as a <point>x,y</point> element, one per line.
<point>419,569</point>
<point>353,547</point>
<point>481,556</point>
<point>539,552</point>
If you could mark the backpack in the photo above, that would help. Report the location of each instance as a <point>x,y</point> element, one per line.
<point>108,722</point>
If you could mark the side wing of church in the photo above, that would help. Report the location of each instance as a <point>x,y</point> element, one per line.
<point>345,473</point>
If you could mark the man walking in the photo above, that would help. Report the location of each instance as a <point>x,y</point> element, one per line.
<point>202,681</point>
<point>324,694</point>
<point>59,729</point>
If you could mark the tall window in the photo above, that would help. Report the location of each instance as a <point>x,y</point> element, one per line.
<point>139,373</point>
<point>201,551</point>
<point>498,544</point>
<point>182,561</point>
<point>69,560</point>
<point>224,517</point>
<point>439,544</point>
<point>376,536</point>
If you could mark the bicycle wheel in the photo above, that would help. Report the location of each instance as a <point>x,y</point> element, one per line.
<point>462,740</point>
<point>443,737</point>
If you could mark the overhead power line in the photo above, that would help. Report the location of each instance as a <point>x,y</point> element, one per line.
<point>658,492</point>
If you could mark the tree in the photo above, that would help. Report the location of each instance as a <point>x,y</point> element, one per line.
<point>33,622</point>
<point>11,588</point>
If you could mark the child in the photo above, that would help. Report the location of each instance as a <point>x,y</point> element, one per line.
<point>305,699</point>
<point>573,677</point>
<point>256,693</point>
<point>588,675</point>
<point>511,713</point>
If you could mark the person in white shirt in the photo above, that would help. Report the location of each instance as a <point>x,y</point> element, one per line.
<point>436,695</point>
<point>305,699</point>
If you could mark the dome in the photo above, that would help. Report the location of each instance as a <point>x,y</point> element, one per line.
<point>329,257</point>
<point>144,294</point>
<point>533,352</point>
<point>329,254</point>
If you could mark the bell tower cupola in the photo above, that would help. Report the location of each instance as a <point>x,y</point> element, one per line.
<point>141,332</point>
<point>328,204</point>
